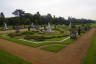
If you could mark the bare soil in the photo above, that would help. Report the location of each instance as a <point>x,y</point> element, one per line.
<point>71,54</point>
<point>10,31</point>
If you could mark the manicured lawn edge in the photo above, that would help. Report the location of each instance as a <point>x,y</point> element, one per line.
<point>66,42</point>
<point>20,41</point>
<point>53,48</point>
<point>90,58</point>
<point>7,58</point>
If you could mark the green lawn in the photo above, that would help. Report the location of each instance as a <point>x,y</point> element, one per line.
<point>53,48</point>
<point>7,58</point>
<point>93,25</point>
<point>66,42</point>
<point>91,55</point>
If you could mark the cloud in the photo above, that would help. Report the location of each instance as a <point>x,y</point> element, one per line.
<point>75,8</point>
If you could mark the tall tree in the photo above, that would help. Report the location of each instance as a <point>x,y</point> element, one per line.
<point>50,19</point>
<point>3,19</point>
<point>37,18</point>
<point>19,13</point>
<point>29,18</point>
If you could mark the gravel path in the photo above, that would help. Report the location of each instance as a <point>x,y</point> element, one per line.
<point>9,31</point>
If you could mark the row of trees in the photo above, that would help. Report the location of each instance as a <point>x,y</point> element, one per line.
<point>23,18</point>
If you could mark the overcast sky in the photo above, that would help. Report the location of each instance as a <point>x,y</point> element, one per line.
<point>75,8</point>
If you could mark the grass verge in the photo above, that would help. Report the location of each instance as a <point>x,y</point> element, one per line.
<point>66,42</point>
<point>7,58</point>
<point>91,55</point>
<point>53,48</point>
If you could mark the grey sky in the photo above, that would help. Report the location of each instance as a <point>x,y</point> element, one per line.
<point>64,8</point>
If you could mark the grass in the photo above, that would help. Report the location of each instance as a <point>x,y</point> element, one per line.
<point>7,58</point>
<point>66,42</point>
<point>53,48</point>
<point>19,41</point>
<point>93,25</point>
<point>91,55</point>
<point>55,39</point>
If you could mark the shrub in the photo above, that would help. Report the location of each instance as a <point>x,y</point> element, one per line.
<point>39,38</point>
<point>29,32</point>
<point>14,34</point>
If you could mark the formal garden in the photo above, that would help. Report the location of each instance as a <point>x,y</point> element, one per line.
<point>55,38</point>
<point>45,32</point>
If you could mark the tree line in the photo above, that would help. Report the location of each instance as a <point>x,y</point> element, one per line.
<point>23,18</point>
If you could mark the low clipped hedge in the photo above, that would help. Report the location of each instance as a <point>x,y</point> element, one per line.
<point>29,32</point>
<point>39,38</point>
<point>43,37</point>
<point>14,34</point>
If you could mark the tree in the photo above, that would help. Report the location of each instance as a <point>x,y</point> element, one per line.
<point>37,18</point>
<point>19,13</point>
<point>50,19</point>
<point>3,19</point>
<point>13,21</point>
<point>28,19</point>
